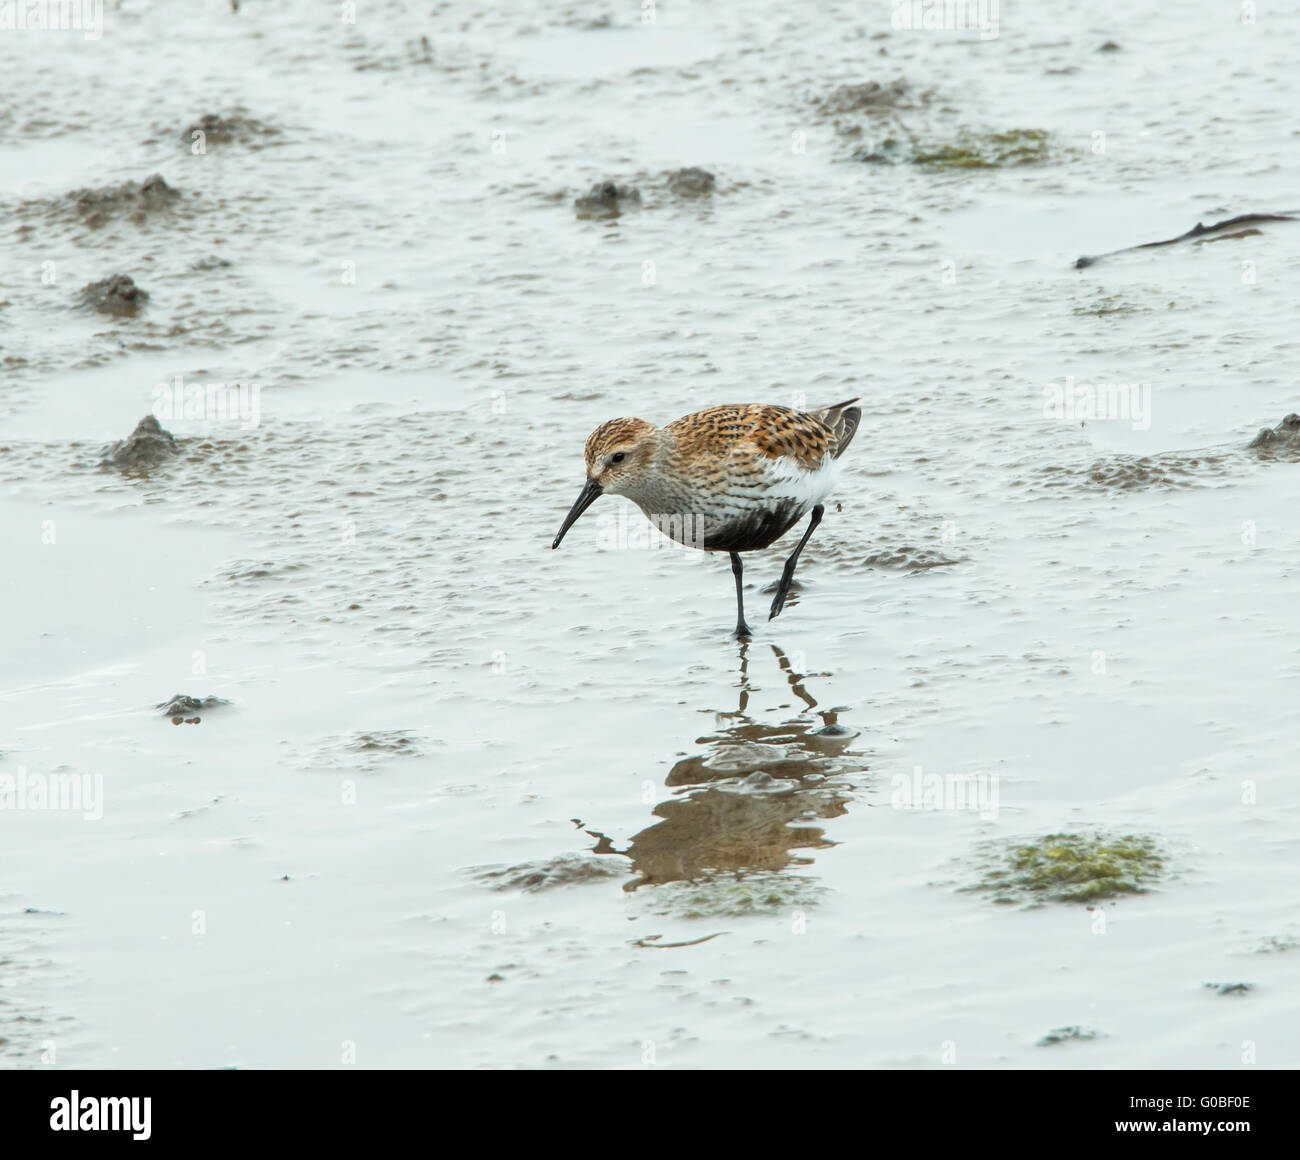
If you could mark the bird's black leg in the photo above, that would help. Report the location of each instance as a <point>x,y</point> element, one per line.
<point>783,589</point>
<point>737,568</point>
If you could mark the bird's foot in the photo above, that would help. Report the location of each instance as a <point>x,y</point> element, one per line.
<point>743,632</point>
<point>784,587</point>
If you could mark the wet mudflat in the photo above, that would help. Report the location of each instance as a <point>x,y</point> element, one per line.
<point>380,778</point>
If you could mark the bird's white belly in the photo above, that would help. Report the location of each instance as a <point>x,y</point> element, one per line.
<point>787,481</point>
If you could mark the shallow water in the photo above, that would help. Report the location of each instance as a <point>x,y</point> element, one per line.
<point>468,791</point>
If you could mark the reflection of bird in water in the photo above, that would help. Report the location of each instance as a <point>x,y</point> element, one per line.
<point>792,749</point>
<point>772,779</point>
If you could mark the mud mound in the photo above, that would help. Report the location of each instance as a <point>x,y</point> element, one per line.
<point>234,128</point>
<point>185,709</point>
<point>387,741</point>
<point>871,97</point>
<point>1280,442</point>
<point>116,295</point>
<point>607,199</point>
<point>144,449</point>
<point>691,182</point>
<point>135,201</point>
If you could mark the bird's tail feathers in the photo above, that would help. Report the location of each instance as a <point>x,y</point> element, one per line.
<point>842,419</point>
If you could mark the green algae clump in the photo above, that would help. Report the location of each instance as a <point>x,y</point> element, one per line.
<point>970,150</point>
<point>1073,868</point>
<point>989,150</point>
<point>735,896</point>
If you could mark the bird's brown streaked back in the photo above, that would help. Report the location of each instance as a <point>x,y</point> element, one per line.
<point>777,432</point>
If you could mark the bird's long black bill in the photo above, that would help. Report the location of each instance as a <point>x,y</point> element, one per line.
<point>588,496</point>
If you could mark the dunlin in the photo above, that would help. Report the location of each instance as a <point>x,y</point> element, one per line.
<point>728,479</point>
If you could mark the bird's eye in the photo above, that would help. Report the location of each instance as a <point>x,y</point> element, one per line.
<point>617,457</point>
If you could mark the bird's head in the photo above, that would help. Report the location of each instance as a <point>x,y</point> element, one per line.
<point>620,455</point>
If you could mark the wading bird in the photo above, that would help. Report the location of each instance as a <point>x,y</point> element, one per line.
<point>729,479</point>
